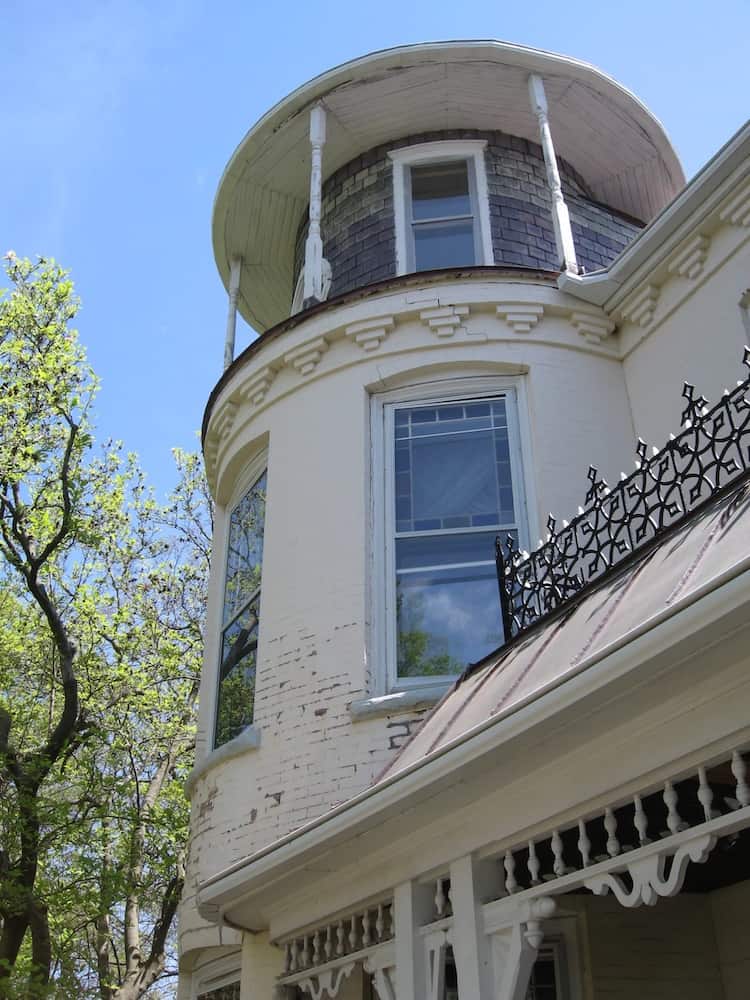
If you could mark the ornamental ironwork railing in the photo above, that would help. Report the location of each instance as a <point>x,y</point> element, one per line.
<point>711,452</point>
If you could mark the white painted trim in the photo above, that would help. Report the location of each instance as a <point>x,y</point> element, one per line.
<point>254,470</point>
<point>248,739</point>
<point>399,701</point>
<point>383,639</point>
<point>471,150</point>
<point>222,971</point>
<point>693,614</point>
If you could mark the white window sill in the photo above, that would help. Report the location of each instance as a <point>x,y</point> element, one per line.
<point>249,739</point>
<point>424,696</point>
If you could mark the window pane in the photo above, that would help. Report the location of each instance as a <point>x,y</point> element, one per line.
<point>452,469</point>
<point>445,550</point>
<point>446,619</point>
<point>245,549</point>
<point>237,675</point>
<point>440,189</point>
<point>444,244</point>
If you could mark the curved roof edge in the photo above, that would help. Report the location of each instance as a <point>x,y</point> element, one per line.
<point>262,193</point>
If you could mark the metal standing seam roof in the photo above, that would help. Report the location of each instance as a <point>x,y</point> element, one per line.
<point>704,548</point>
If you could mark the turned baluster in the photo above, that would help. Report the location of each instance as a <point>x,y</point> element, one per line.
<point>509,863</point>
<point>533,863</point>
<point>316,948</point>
<point>366,929</point>
<point>440,898</point>
<point>557,849</point>
<point>739,770</point>
<point>328,946</point>
<point>674,820</point>
<point>584,844</point>
<point>340,938</point>
<point>640,821</point>
<point>288,957</point>
<point>705,795</point>
<point>353,934</point>
<point>610,825</point>
<point>305,952</point>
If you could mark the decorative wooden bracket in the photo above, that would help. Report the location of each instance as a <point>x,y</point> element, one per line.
<point>647,874</point>
<point>327,983</point>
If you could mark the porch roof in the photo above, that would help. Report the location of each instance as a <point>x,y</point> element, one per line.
<point>627,603</point>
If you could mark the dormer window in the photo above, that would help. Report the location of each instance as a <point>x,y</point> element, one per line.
<point>440,206</point>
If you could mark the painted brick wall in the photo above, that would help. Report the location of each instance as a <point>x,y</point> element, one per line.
<point>358,225</point>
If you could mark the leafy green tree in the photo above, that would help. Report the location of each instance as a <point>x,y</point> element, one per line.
<point>101,610</point>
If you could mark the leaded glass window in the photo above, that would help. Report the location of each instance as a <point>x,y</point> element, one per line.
<point>241,611</point>
<point>455,478</point>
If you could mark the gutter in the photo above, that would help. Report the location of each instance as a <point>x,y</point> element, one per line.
<point>653,243</point>
<point>469,745</point>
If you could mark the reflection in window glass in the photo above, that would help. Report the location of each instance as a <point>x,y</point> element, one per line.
<point>442,216</point>
<point>229,992</point>
<point>239,640</point>
<point>453,496</point>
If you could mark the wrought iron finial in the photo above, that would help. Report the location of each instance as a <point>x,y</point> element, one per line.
<point>695,406</point>
<point>598,486</point>
<point>708,457</point>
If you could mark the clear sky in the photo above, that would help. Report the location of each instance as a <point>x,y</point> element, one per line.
<point>118,117</point>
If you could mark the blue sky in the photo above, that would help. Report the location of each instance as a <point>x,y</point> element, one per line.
<point>118,117</point>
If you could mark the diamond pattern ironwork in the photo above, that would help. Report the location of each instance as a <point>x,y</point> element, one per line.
<point>710,453</point>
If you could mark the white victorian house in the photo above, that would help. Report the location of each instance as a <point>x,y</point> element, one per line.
<point>430,767</point>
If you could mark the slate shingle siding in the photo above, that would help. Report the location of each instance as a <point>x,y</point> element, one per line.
<point>357,221</point>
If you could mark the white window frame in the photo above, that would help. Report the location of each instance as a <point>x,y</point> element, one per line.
<point>222,971</point>
<point>383,634</point>
<point>253,473</point>
<point>471,150</point>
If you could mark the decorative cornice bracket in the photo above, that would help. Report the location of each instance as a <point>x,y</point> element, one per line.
<point>370,333</point>
<point>688,260</point>
<point>305,358</point>
<point>521,317</point>
<point>640,307</point>
<point>445,320</point>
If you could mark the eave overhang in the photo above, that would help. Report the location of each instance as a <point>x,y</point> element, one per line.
<point>600,128</point>
<point>717,180</point>
<point>713,613</point>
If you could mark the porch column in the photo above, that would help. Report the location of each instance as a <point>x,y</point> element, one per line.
<point>262,964</point>
<point>313,280</point>
<point>560,217</point>
<point>471,880</point>
<point>514,941</point>
<point>235,268</point>
<point>412,909</point>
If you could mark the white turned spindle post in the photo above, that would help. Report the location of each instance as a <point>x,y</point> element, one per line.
<point>560,217</point>
<point>610,825</point>
<point>305,952</point>
<point>533,863</point>
<point>440,898</point>
<point>288,957</point>
<point>366,929</point>
<point>674,820</point>
<point>509,863</point>
<point>705,795</point>
<point>353,934</point>
<point>328,946</point>
<point>235,269</point>
<point>340,938</point>
<point>557,850</point>
<point>584,844</point>
<point>640,821</point>
<point>313,279</point>
<point>316,948</point>
<point>739,770</point>
<point>379,924</point>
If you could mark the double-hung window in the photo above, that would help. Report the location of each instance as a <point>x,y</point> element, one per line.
<point>440,206</point>
<point>241,613</point>
<point>453,483</point>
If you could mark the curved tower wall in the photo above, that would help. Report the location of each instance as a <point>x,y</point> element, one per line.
<point>357,220</point>
<point>307,401</point>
